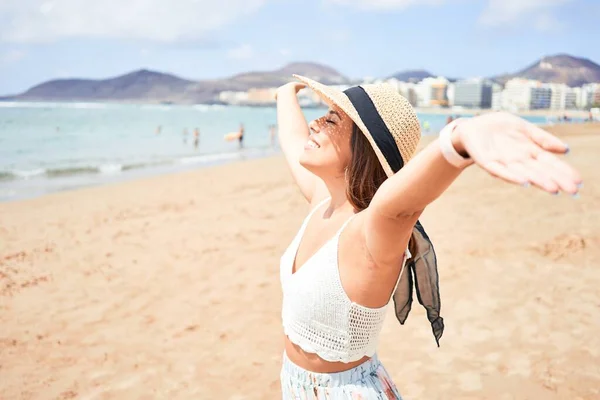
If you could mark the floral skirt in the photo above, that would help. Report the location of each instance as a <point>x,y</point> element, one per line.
<point>368,381</point>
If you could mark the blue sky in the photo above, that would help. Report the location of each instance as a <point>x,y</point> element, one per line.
<point>197,39</point>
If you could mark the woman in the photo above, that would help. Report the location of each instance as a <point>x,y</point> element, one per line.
<point>347,260</point>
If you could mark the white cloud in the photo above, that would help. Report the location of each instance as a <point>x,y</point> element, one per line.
<point>12,56</point>
<point>31,21</point>
<point>383,4</point>
<point>537,13</point>
<point>242,52</point>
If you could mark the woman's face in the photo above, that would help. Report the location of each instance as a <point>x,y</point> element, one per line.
<point>327,151</point>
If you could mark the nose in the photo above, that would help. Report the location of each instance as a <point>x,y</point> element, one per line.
<point>314,126</point>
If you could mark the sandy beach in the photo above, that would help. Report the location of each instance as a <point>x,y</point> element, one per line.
<point>168,288</point>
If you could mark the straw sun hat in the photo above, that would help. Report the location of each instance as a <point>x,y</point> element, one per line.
<point>385,117</point>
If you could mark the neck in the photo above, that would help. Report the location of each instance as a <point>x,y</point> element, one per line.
<point>336,186</point>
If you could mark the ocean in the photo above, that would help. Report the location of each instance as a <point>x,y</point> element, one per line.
<point>49,147</point>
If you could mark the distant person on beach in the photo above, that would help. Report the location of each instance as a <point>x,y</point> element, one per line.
<point>196,138</point>
<point>241,136</point>
<point>158,129</point>
<point>449,119</point>
<point>273,135</point>
<point>426,126</point>
<point>361,244</point>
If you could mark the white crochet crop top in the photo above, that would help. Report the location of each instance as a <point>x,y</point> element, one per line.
<point>317,314</point>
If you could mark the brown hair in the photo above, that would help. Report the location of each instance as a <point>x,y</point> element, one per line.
<point>364,174</point>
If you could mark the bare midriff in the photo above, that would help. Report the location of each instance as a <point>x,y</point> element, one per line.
<point>314,363</point>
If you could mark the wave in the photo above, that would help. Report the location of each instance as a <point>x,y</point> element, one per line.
<point>209,158</point>
<point>6,176</point>
<point>209,107</point>
<point>100,106</point>
<point>114,168</point>
<point>26,174</point>
<point>68,171</point>
<point>65,171</point>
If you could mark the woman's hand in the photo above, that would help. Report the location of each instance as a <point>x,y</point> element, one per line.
<point>517,151</point>
<point>292,87</point>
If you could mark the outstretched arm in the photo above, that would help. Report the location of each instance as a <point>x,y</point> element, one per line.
<point>504,145</point>
<point>293,135</point>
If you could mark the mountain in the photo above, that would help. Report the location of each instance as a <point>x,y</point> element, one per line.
<point>560,68</point>
<point>415,75</point>
<point>151,86</point>
<point>319,72</point>
<point>138,84</point>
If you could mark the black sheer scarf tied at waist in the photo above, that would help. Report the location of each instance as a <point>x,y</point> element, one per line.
<point>420,269</point>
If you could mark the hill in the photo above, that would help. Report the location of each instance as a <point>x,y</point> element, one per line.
<point>415,75</point>
<point>560,68</point>
<point>152,86</point>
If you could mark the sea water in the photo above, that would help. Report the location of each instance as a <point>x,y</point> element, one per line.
<point>48,147</point>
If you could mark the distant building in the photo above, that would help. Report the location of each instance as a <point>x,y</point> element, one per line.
<point>572,97</point>
<point>517,94</point>
<point>432,92</point>
<point>564,97</point>
<point>230,97</point>
<point>496,96</point>
<point>410,93</point>
<point>590,95</point>
<point>439,94</point>
<point>541,98</point>
<point>450,93</point>
<point>473,93</point>
<point>395,83</point>
<point>261,96</point>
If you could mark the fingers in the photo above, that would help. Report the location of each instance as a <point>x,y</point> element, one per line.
<point>532,176</point>
<point>548,173</point>
<point>499,170</point>
<point>539,176</point>
<point>565,176</point>
<point>546,140</point>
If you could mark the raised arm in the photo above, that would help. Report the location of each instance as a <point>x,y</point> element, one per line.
<point>293,135</point>
<point>506,146</point>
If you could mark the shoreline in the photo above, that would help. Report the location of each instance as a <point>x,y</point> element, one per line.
<point>49,184</point>
<point>57,184</point>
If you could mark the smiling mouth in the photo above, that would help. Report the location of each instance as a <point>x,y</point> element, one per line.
<point>311,144</point>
